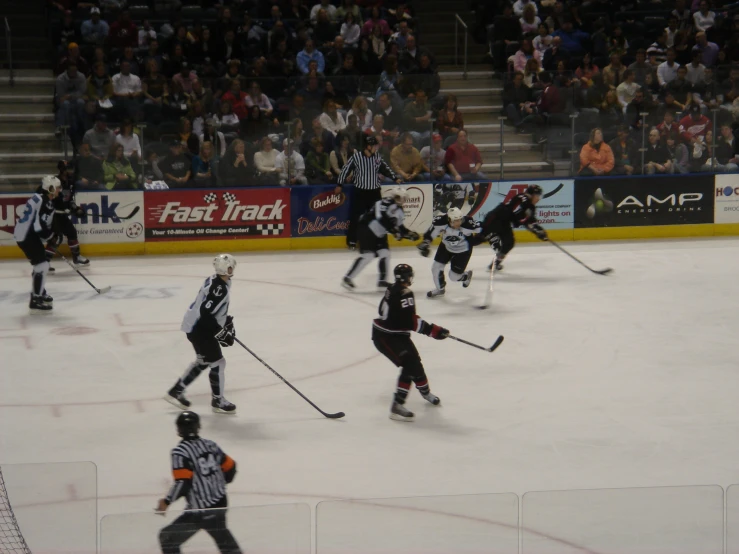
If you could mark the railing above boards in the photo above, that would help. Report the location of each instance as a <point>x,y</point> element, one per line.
<point>457,22</point>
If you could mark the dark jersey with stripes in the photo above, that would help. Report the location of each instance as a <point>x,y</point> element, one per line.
<point>367,170</point>
<point>518,211</point>
<point>64,202</point>
<point>397,312</point>
<point>200,470</point>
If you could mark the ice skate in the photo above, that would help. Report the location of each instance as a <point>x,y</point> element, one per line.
<point>81,261</point>
<point>432,399</point>
<point>46,299</point>
<point>38,306</point>
<point>222,406</point>
<point>348,284</point>
<point>398,412</point>
<point>176,397</point>
<point>436,292</point>
<point>467,279</point>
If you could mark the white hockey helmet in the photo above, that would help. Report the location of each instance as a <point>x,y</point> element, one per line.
<point>399,193</point>
<point>50,183</point>
<point>454,214</point>
<point>224,264</point>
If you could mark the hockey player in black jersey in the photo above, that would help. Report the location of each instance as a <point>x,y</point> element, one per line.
<point>386,216</point>
<point>31,231</point>
<point>455,249</point>
<point>64,206</point>
<point>209,327</point>
<point>391,335</point>
<point>201,471</point>
<point>498,225</point>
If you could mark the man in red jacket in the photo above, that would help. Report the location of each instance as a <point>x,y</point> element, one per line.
<point>463,159</point>
<point>237,97</point>
<point>694,126</point>
<point>124,33</point>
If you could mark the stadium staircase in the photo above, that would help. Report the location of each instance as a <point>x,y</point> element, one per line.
<point>480,94</point>
<point>28,147</point>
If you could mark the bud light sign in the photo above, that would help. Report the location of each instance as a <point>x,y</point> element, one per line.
<point>319,211</point>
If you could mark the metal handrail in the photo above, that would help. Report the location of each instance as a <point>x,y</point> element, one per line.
<point>457,21</point>
<point>11,71</point>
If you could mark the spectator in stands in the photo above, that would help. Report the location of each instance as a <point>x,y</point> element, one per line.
<point>704,18</point>
<point>667,70</point>
<point>203,95</point>
<point>730,86</point>
<point>695,69</point>
<point>119,174</point>
<point>433,158</point>
<point>418,118</point>
<point>385,138</point>
<point>573,40</point>
<point>683,15</point>
<point>99,137</point>
<point>656,158</point>
<point>551,101</point>
<point>73,56</point>
<point>640,104</point>
<point>176,103</point>
<point>340,155</point>
<point>543,39</point>
<point>203,172</point>
<point>614,72</point>
<point>129,56</point>
<point>519,7</point>
<point>626,91</point>
<point>130,142</point>
<point>188,139</point>
<point>307,54</point>
<point>324,30</point>
<point>197,116</point>
<point>317,164</point>
<point>214,136</point>
<point>70,92</point>
<point>260,100</point>
<point>237,98</point>
<point>313,93</point>
<point>99,56</point>
<point>392,118</point>
<point>265,162</point>
<point>463,160</point>
<point>377,41</point>
<point>409,59</point>
<point>683,44</point>
<point>596,157</point>
<point>586,70</point>
<point>375,21</point>
<point>290,165</point>
<point>99,86</point>
<point>401,36</point>
<point>331,120</point>
<point>323,5</point>
<point>726,152</point>
<point>625,152</point>
<point>234,170</point>
<point>185,77</point>
<point>317,131</point>
<point>346,81</point>
<point>334,56</point>
<point>671,30</point>
<point>517,100</point>
<point>681,88</point>
<point>641,67</point>
<point>127,91</point>
<point>524,53</point>
<point>229,48</point>
<point>367,62</point>
<point>700,154</point>
<point>123,33</point>
<point>529,20</point>
<point>678,154</point>
<point>94,31</point>
<point>668,128</point>
<point>152,54</point>
<point>657,51</point>
<point>531,74</point>
<point>505,32</point>
<point>67,32</point>
<point>695,126</point>
<point>555,53</point>
<point>146,35</point>
<point>89,168</point>
<point>708,50</point>
<point>406,160</point>
<point>362,112</point>
<point>350,30</point>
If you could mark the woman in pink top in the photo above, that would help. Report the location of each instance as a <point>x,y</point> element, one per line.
<point>375,21</point>
<point>524,54</point>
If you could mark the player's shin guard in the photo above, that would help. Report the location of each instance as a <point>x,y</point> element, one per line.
<point>454,276</point>
<point>218,377</point>
<point>191,373</point>
<point>383,264</point>
<point>401,392</point>
<point>39,278</point>
<point>74,246</point>
<point>359,264</point>
<point>437,272</point>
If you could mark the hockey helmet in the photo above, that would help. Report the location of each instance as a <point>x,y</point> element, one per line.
<point>403,274</point>
<point>454,214</point>
<point>224,264</point>
<point>50,183</point>
<point>534,190</point>
<point>399,193</point>
<point>188,424</point>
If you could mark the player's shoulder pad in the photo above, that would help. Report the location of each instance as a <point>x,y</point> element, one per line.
<point>217,288</point>
<point>405,291</point>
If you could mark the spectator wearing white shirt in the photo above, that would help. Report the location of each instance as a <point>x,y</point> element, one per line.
<point>290,166</point>
<point>626,91</point>
<point>257,98</point>
<point>671,31</point>
<point>703,19</point>
<point>331,119</point>
<point>324,5</point>
<point>667,70</point>
<point>186,77</point>
<point>433,157</point>
<point>543,40</point>
<point>215,137</point>
<point>350,31</point>
<point>127,91</point>
<point>696,70</point>
<point>519,5</point>
<point>146,34</point>
<point>130,142</point>
<point>362,112</point>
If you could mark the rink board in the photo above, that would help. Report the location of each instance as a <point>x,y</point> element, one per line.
<point>316,217</point>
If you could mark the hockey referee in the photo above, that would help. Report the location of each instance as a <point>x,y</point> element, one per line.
<point>201,471</point>
<point>367,166</point>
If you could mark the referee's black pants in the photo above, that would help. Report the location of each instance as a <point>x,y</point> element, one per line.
<point>362,201</point>
<point>184,527</point>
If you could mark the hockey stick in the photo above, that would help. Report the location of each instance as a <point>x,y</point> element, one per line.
<point>337,415</point>
<point>122,218</point>
<point>605,271</point>
<point>496,344</point>
<point>99,291</point>
<point>489,292</point>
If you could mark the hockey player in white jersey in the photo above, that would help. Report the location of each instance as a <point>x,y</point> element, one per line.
<point>455,248</point>
<point>31,231</point>
<point>209,327</point>
<point>386,216</point>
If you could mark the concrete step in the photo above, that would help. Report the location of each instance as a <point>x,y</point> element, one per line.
<point>29,112</point>
<point>517,146</point>
<point>21,127</point>
<point>39,137</point>
<point>462,87</point>
<point>455,73</point>
<point>20,88</point>
<point>481,118</point>
<point>32,157</point>
<point>28,74</point>
<point>475,96</point>
<point>479,108</point>
<point>25,99</point>
<point>31,148</point>
<point>518,169</point>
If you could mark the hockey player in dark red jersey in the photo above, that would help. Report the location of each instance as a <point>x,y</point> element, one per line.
<point>498,225</point>
<point>64,206</point>
<point>391,334</point>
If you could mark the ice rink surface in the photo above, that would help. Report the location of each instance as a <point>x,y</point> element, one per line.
<point>627,380</point>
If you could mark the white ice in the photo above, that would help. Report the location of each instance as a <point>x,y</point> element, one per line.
<point>628,380</point>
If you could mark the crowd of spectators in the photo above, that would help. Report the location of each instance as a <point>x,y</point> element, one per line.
<point>247,91</point>
<point>677,61</point>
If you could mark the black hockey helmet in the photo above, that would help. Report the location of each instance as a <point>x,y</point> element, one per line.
<point>188,424</point>
<point>370,141</point>
<point>403,274</point>
<point>534,190</point>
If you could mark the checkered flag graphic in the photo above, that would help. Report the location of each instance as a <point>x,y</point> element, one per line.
<point>210,197</point>
<point>270,229</point>
<point>229,198</point>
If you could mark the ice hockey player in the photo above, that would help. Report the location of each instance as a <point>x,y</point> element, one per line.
<point>386,216</point>
<point>64,206</point>
<point>497,227</point>
<point>391,333</point>
<point>455,249</point>
<point>201,471</point>
<point>208,327</point>
<point>31,231</point>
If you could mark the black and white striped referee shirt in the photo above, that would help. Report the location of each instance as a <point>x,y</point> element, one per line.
<point>201,471</point>
<point>367,171</point>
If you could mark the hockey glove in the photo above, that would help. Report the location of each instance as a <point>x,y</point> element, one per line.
<point>424,248</point>
<point>438,333</point>
<point>224,337</point>
<point>55,240</point>
<point>79,212</point>
<point>539,231</point>
<point>230,325</point>
<point>412,236</point>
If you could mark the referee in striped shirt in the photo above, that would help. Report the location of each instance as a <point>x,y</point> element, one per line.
<point>367,166</point>
<point>201,471</point>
